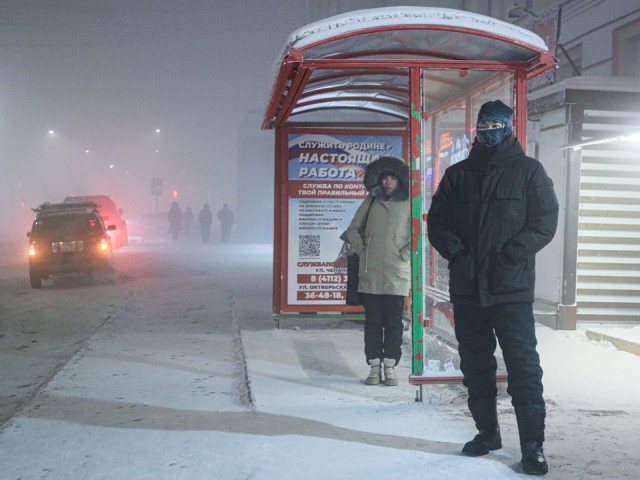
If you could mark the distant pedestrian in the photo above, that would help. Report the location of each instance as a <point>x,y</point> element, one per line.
<point>205,218</point>
<point>491,214</point>
<point>187,220</point>
<point>225,216</point>
<point>175,220</point>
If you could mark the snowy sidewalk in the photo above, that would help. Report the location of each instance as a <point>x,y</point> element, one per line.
<point>625,339</point>
<point>150,401</point>
<point>313,381</point>
<point>153,401</point>
<point>168,388</point>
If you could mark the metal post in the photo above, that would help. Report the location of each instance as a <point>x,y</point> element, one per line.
<point>567,310</point>
<point>415,154</point>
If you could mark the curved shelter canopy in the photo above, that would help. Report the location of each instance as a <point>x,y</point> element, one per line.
<point>359,62</point>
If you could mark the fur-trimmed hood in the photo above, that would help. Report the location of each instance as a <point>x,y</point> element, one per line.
<point>387,165</point>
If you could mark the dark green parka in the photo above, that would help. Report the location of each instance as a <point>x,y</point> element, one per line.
<point>489,217</point>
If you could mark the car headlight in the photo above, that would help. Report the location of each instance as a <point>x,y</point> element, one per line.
<point>32,250</point>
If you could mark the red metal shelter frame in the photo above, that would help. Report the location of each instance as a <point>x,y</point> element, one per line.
<point>364,71</point>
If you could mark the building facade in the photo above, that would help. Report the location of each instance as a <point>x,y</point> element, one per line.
<point>584,126</point>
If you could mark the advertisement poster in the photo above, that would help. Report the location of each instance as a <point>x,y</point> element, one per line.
<point>325,189</point>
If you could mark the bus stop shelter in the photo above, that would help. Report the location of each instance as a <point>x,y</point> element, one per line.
<point>400,81</point>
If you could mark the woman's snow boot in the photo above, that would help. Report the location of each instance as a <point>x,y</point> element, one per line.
<point>390,378</point>
<point>375,375</point>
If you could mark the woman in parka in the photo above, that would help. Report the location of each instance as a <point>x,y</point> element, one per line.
<point>384,246</point>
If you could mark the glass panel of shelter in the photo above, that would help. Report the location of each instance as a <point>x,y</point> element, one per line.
<point>451,100</point>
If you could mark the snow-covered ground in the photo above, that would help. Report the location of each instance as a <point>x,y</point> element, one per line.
<point>188,378</point>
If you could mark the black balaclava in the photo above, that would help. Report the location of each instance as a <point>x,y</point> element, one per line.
<point>498,111</point>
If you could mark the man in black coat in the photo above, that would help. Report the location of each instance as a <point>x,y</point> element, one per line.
<point>490,215</point>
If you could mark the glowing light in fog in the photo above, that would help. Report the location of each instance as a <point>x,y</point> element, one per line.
<point>635,137</point>
<point>632,137</point>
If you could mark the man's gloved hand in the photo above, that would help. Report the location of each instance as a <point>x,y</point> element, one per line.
<point>457,256</point>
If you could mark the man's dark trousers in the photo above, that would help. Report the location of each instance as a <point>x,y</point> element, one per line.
<point>514,326</point>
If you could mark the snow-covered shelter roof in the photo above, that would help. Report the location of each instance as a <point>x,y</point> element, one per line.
<point>360,60</point>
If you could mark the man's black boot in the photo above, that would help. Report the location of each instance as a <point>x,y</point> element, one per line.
<point>533,461</point>
<point>531,429</point>
<point>483,442</point>
<point>485,414</point>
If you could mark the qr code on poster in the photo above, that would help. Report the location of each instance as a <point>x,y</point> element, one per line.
<point>309,246</point>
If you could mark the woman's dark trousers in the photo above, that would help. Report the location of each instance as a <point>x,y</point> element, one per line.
<point>383,326</point>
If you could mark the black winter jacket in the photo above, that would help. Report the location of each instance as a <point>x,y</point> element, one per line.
<point>489,217</point>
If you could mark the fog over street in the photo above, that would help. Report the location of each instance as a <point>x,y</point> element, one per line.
<point>101,97</point>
